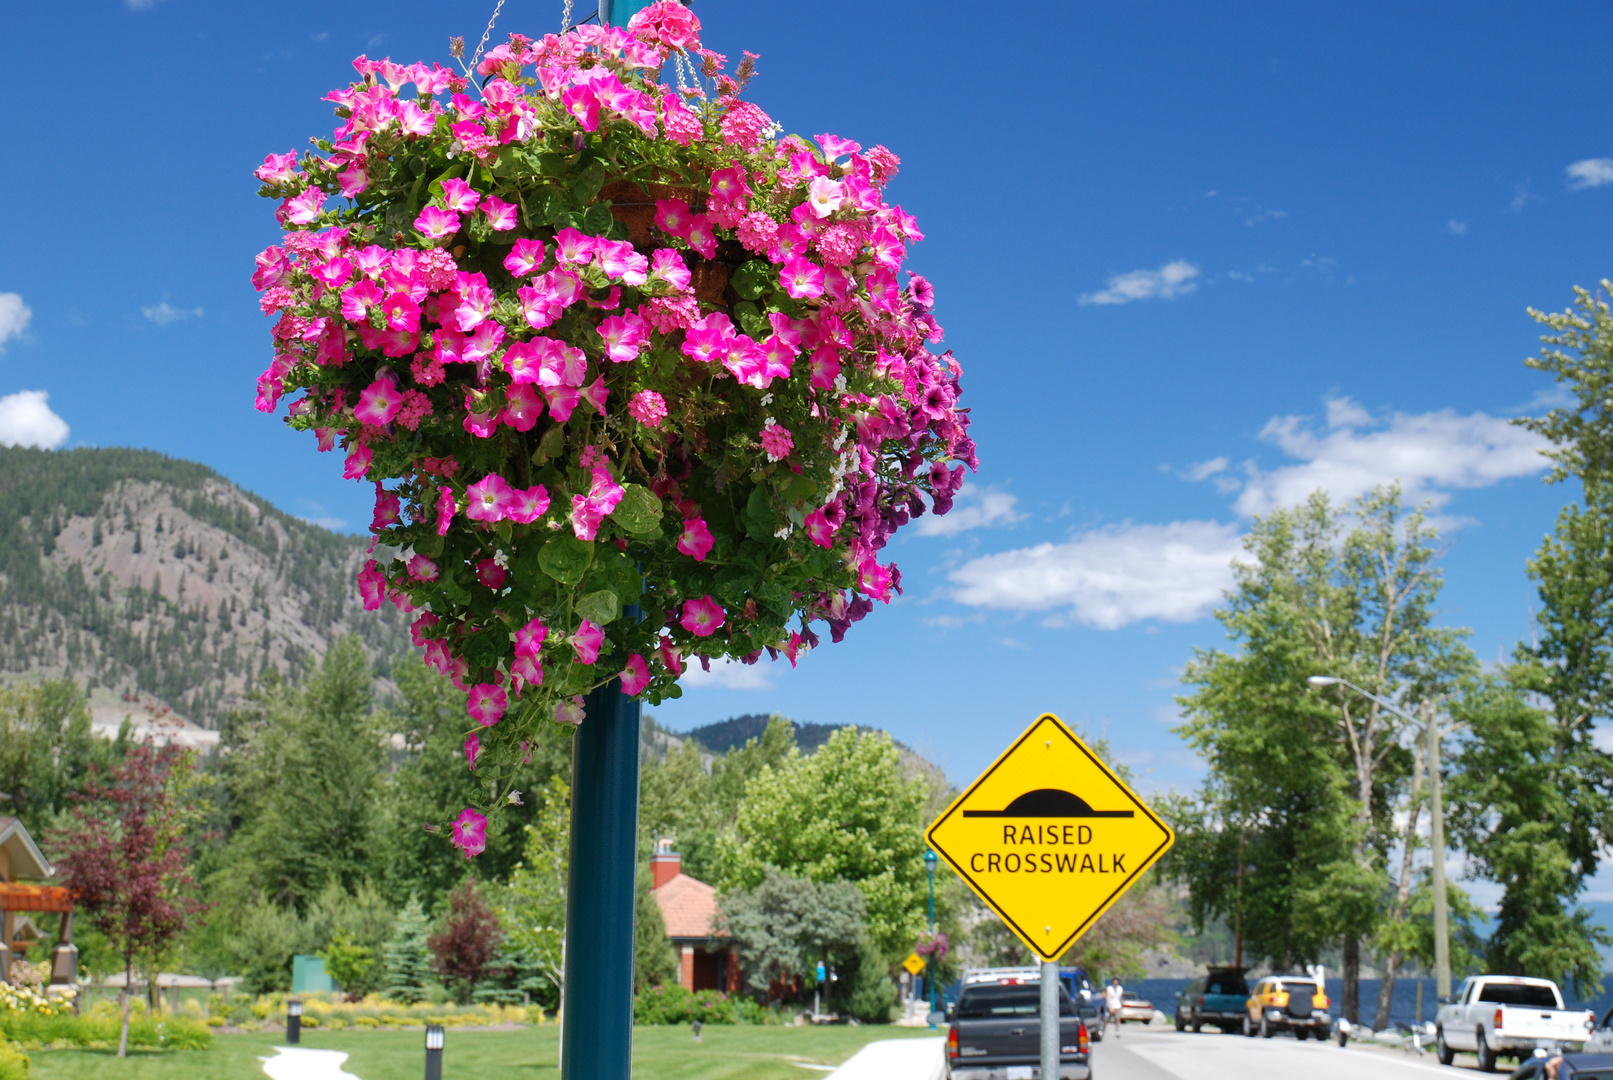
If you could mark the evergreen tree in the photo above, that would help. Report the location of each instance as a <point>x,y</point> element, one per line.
<point>408,961</point>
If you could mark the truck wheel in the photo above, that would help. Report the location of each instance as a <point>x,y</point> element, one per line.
<point>1198,1024</point>
<point>1486,1055</point>
<point>1442,1049</point>
<point>1343,1036</point>
<point>1265,1029</point>
<point>1248,1029</point>
<point>1179,1025</point>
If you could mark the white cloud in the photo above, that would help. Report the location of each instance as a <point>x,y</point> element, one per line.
<point>163,313</point>
<point>1426,453</point>
<point>1110,577</point>
<point>1456,228</point>
<point>1592,172</point>
<point>26,420</point>
<point>727,674</point>
<point>1206,469</point>
<point>1522,197</point>
<point>1167,283</point>
<point>975,508</point>
<point>14,316</point>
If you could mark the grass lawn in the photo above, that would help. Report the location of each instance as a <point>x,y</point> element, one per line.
<point>659,1053</point>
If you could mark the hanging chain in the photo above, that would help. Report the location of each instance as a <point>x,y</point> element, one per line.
<point>565,18</point>
<point>485,33</point>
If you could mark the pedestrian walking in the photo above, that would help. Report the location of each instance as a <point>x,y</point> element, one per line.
<point>1114,995</point>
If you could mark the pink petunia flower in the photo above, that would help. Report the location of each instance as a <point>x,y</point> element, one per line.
<point>422,568</point>
<point>500,214</point>
<point>671,656</point>
<point>825,196</point>
<point>702,237</point>
<point>818,529</point>
<point>624,336</point>
<point>486,704</point>
<point>529,504</point>
<point>648,408</point>
<point>446,508</point>
<point>802,279</point>
<point>595,393</point>
<point>825,367</point>
<point>523,407</point>
<point>673,216</point>
<point>387,508</point>
<point>570,712</point>
<point>358,462</point>
<point>277,168</point>
<point>470,833</point>
<point>459,196</point>
<point>635,676</point>
<point>702,617</point>
<point>696,541</point>
<point>418,628</point>
<point>435,223</point>
<point>668,264</point>
<point>371,586</point>
<point>525,257</point>
<point>586,642</point>
<point>529,638</point>
<point>491,574</point>
<point>473,750</point>
<point>572,248</point>
<point>378,403</point>
<point>304,209</point>
<point>489,499</point>
<point>526,671</point>
<point>327,438</point>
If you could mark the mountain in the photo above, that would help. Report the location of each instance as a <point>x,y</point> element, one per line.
<point>158,584</point>
<point>724,735</point>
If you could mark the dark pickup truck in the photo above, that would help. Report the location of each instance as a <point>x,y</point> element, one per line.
<point>996,1034</point>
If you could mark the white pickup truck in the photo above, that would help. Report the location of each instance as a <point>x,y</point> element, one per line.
<point>1504,1014</point>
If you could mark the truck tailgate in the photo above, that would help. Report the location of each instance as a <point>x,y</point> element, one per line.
<point>1518,1022</point>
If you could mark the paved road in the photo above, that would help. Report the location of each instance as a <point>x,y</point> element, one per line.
<point>1152,1054</point>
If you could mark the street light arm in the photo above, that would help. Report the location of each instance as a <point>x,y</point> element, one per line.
<point>1326,680</point>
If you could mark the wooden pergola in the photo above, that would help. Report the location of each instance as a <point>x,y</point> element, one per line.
<point>23,868</point>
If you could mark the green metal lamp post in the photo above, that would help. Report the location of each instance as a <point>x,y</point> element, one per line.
<point>930,859</point>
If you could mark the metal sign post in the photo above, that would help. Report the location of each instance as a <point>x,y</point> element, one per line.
<point>1050,1019</point>
<point>598,1018</point>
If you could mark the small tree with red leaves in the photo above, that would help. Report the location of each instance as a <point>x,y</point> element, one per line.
<point>471,935</point>
<point>122,855</point>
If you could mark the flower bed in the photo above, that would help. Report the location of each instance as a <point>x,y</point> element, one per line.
<point>374,1012</point>
<point>600,344</point>
<point>100,1029</point>
<point>675,1005</point>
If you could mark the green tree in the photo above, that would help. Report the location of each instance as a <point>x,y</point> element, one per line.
<point>1513,795</point>
<point>408,960</point>
<point>47,750</point>
<point>848,812</point>
<point>1290,837</point>
<point>348,963</point>
<point>783,926</point>
<point>534,900</point>
<point>655,962</point>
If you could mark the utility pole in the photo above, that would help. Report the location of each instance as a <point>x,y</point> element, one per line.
<point>1436,839</point>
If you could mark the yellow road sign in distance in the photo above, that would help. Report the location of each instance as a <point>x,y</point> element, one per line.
<point>914,963</point>
<point>1049,837</point>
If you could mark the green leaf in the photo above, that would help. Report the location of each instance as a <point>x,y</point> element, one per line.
<point>600,607</point>
<point>760,524</point>
<point>553,441</point>
<point>752,279</point>
<point>597,221</point>
<point>430,544</point>
<point>639,512</point>
<point>588,183</point>
<point>566,558</point>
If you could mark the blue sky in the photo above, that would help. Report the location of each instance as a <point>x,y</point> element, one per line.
<point>1195,260</point>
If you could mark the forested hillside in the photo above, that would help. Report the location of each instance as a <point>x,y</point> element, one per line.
<point>140,574</point>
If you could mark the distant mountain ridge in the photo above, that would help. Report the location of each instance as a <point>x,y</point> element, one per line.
<point>148,577</point>
<point>725,735</point>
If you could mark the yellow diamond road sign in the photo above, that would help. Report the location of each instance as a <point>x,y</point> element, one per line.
<point>1049,837</point>
<point>914,963</point>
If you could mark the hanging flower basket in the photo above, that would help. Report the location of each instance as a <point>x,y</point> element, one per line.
<point>637,381</point>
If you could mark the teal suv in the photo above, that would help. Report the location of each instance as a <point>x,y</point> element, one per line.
<point>1220,997</point>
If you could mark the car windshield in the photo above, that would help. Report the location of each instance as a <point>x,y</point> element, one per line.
<point>1530,997</point>
<point>1226,985</point>
<point>984,1002</point>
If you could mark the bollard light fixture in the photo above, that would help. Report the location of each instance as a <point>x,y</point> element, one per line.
<point>434,1042</point>
<point>293,1021</point>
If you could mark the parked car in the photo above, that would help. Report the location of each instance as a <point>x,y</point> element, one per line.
<point>1133,1009</point>
<point>1287,1003</point>
<point>1507,1015</point>
<point>1092,1017</point>
<point>1569,1067</point>
<point>1600,1040</point>
<point>996,1031</point>
<point>1220,997</point>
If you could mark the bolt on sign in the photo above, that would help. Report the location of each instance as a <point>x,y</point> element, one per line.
<point>1049,837</point>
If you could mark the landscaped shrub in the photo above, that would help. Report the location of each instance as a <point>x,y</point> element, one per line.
<point>374,1012</point>
<point>675,1005</point>
<point>99,1029</point>
<point>13,1062</point>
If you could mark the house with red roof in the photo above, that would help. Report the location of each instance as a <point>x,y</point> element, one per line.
<point>689,908</point>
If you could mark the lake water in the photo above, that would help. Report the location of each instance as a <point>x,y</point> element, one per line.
<point>1403,1009</point>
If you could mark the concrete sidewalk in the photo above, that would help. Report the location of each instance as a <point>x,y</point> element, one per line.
<point>295,1063</point>
<point>896,1059</point>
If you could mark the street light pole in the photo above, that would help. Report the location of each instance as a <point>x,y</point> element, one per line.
<point>930,859</point>
<point>1436,839</point>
